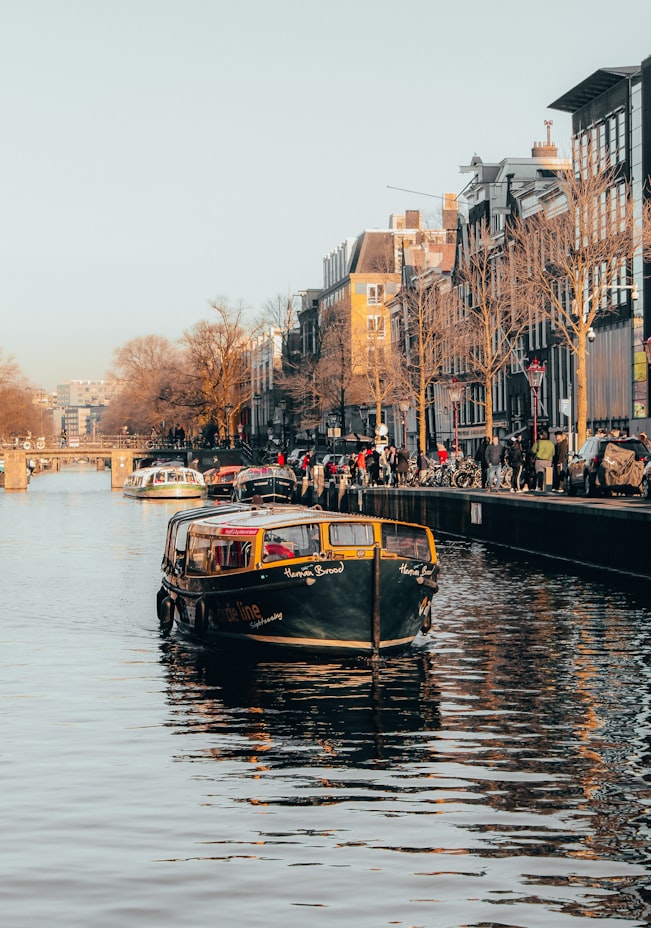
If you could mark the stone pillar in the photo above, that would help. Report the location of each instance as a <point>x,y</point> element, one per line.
<point>15,470</point>
<point>121,467</point>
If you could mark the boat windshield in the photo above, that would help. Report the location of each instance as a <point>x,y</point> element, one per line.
<point>208,554</point>
<point>406,541</point>
<point>355,534</point>
<point>291,541</point>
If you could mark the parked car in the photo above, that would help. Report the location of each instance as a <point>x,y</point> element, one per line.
<point>583,467</point>
<point>645,486</point>
<point>295,458</point>
<point>338,461</point>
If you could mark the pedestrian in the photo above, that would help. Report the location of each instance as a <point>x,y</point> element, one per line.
<point>543,452</point>
<point>393,465</point>
<point>281,457</point>
<point>63,439</point>
<point>402,466</point>
<point>516,462</point>
<point>422,464</point>
<point>494,460</point>
<point>373,467</point>
<point>645,440</point>
<point>480,457</point>
<point>559,462</point>
<point>352,466</point>
<point>361,468</point>
<point>385,468</point>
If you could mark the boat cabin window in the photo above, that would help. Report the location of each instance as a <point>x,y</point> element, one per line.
<point>291,541</point>
<point>353,534</point>
<point>406,541</point>
<point>208,555</point>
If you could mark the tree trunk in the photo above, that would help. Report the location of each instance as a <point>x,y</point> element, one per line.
<point>489,406</point>
<point>581,388</point>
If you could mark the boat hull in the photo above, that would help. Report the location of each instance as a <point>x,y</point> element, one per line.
<point>324,607</point>
<point>176,492</point>
<point>266,486</point>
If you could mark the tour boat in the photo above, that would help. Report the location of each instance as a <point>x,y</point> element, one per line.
<point>165,480</point>
<point>294,578</point>
<point>268,483</point>
<point>219,480</point>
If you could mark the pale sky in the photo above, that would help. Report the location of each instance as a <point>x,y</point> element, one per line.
<point>160,154</point>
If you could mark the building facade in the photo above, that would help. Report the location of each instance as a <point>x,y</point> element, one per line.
<point>611,112</point>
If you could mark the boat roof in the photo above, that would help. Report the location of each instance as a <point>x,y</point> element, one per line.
<point>264,517</point>
<point>167,466</point>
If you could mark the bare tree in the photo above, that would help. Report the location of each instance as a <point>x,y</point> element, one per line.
<point>433,335</point>
<point>216,379</point>
<point>573,254</point>
<point>495,314</point>
<point>375,365</point>
<point>18,414</point>
<point>147,367</point>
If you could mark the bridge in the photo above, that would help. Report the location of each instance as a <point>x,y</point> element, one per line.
<point>119,452</point>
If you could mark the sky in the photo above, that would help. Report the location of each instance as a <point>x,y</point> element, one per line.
<point>159,155</point>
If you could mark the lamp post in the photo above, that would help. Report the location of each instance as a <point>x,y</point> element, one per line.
<point>535,373</point>
<point>256,407</point>
<point>283,407</point>
<point>404,406</point>
<point>229,410</point>
<point>456,391</point>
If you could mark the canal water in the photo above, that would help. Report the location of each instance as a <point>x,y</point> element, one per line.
<point>497,776</point>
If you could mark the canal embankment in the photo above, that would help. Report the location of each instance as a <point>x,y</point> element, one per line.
<point>611,534</point>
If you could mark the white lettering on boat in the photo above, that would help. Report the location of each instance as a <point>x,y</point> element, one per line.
<point>310,571</point>
<point>276,617</point>
<point>418,570</point>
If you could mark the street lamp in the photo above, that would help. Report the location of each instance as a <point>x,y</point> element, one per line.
<point>404,406</point>
<point>229,410</point>
<point>283,408</point>
<point>256,406</point>
<point>456,391</point>
<point>535,373</point>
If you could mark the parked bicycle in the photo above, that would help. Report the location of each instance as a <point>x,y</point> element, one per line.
<point>467,474</point>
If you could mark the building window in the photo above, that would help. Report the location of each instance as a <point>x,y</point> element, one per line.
<point>375,326</point>
<point>375,294</point>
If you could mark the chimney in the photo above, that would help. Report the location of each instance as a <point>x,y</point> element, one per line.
<point>412,218</point>
<point>450,211</point>
<point>542,149</point>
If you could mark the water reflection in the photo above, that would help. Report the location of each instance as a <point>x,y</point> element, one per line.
<point>507,762</point>
<point>354,712</point>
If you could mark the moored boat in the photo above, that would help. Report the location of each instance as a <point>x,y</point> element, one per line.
<point>219,480</point>
<point>268,483</point>
<point>165,480</point>
<point>299,579</point>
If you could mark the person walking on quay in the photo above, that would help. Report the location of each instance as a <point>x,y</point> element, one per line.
<point>392,458</point>
<point>361,468</point>
<point>494,460</point>
<point>402,467</point>
<point>373,467</point>
<point>385,467</point>
<point>516,462</point>
<point>480,458</point>
<point>560,461</point>
<point>543,452</point>
<point>422,463</point>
